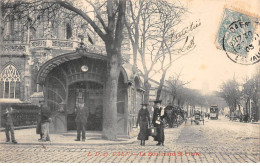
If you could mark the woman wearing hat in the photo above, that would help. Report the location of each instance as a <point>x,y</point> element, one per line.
<point>157,121</point>
<point>143,120</point>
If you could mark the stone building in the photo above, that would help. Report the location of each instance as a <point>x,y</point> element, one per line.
<point>51,62</point>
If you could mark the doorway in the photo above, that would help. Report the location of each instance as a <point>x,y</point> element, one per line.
<point>91,93</point>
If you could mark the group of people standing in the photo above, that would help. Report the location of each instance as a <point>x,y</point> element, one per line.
<point>44,120</point>
<point>144,122</point>
<point>42,123</point>
<point>82,113</point>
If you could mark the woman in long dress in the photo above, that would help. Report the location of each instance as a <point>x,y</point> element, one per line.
<point>158,115</point>
<point>143,120</point>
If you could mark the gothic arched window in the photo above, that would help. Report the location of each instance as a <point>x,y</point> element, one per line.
<point>10,82</point>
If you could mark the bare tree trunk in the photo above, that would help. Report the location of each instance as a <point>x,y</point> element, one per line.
<point>147,87</point>
<point>159,91</point>
<point>134,69</point>
<point>110,109</point>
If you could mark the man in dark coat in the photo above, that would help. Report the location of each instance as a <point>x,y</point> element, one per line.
<point>38,127</point>
<point>157,121</point>
<point>45,121</point>
<point>9,126</point>
<point>82,114</point>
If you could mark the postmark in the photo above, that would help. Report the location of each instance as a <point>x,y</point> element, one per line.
<point>237,36</point>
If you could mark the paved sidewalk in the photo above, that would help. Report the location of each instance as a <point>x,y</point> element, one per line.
<point>29,137</point>
<point>218,141</point>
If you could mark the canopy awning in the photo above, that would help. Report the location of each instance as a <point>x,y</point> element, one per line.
<point>56,61</point>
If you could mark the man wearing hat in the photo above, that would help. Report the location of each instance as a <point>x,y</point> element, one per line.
<point>143,120</point>
<point>157,121</point>
<point>8,123</point>
<point>82,114</point>
<point>45,114</point>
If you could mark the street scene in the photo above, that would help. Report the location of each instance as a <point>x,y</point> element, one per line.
<point>188,143</point>
<point>129,81</point>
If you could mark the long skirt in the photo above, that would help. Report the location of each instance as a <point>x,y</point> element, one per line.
<point>160,132</point>
<point>38,128</point>
<point>143,134</point>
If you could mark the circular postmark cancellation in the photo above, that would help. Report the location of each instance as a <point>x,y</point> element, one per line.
<point>237,37</point>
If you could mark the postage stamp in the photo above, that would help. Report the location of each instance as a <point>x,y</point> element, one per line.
<point>238,37</point>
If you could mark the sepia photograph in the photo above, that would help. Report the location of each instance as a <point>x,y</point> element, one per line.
<point>129,81</point>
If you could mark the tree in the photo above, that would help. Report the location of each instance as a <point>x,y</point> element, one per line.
<point>111,22</point>
<point>149,25</point>
<point>175,85</point>
<point>251,92</point>
<point>231,94</point>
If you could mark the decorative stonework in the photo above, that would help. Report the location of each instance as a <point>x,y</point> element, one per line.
<point>39,58</point>
<point>9,74</point>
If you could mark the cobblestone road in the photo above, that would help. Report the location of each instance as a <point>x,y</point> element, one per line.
<point>217,141</point>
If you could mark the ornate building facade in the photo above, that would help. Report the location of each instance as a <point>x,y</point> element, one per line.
<point>59,62</point>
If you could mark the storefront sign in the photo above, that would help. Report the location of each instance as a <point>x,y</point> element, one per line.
<point>38,43</point>
<point>57,43</point>
<point>15,48</point>
<point>54,43</point>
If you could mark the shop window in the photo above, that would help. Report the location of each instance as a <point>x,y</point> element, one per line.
<point>10,83</point>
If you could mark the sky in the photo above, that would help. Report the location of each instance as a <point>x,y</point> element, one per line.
<point>206,66</point>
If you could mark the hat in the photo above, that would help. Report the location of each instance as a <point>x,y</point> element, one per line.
<point>157,101</point>
<point>144,104</point>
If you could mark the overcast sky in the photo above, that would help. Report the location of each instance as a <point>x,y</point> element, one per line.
<point>206,66</point>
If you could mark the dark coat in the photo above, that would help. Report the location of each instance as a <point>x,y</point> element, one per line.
<point>159,127</point>
<point>157,115</point>
<point>45,114</point>
<point>82,115</point>
<point>38,127</point>
<point>7,118</point>
<point>143,120</point>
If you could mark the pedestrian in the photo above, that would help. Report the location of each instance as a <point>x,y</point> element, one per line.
<point>143,120</point>
<point>38,127</point>
<point>158,115</point>
<point>45,121</point>
<point>82,114</point>
<point>169,110</point>
<point>8,123</point>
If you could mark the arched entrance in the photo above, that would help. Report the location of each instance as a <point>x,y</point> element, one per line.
<point>69,78</point>
<point>91,93</point>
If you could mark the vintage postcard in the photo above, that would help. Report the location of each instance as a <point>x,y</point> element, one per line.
<point>129,81</point>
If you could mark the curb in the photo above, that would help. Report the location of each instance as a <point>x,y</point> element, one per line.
<point>19,127</point>
<point>71,144</point>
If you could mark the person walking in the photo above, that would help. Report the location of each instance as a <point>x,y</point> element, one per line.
<point>45,121</point>
<point>169,110</point>
<point>82,114</point>
<point>158,115</point>
<point>8,123</point>
<point>38,127</point>
<point>143,119</point>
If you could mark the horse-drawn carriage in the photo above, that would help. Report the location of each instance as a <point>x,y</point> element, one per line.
<point>175,116</point>
<point>197,118</point>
